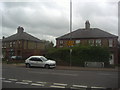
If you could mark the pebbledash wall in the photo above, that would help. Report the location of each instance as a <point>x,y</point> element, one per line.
<point>93,37</point>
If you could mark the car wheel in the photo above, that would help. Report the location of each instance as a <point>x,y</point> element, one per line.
<point>47,66</point>
<point>27,65</point>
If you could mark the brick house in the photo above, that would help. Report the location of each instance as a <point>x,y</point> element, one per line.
<point>22,44</point>
<point>93,37</point>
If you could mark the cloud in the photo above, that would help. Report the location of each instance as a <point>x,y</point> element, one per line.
<point>50,19</point>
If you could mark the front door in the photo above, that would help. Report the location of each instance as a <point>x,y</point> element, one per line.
<point>111,61</point>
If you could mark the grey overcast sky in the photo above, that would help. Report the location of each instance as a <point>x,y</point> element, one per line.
<point>49,19</point>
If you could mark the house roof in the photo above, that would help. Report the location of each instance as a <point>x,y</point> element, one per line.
<point>22,36</point>
<point>87,33</point>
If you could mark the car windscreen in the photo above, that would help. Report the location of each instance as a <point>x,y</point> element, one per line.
<point>44,59</point>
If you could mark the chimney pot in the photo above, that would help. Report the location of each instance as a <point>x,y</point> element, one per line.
<point>87,25</point>
<point>20,29</point>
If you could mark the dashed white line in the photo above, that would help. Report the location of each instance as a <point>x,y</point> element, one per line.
<point>98,87</point>
<point>36,84</point>
<point>22,83</point>
<point>2,78</point>
<point>78,87</point>
<point>7,81</point>
<point>26,81</point>
<point>57,86</point>
<point>60,84</point>
<point>12,79</point>
<point>41,82</point>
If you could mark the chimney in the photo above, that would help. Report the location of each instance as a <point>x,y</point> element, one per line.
<point>87,25</point>
<point>20,29</point>
<point>3,37</point>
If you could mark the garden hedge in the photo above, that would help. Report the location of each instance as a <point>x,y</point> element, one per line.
<point>80,54</point>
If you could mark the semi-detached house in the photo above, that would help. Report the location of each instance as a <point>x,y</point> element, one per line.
<point>22,44</point>
<point>93,37</point>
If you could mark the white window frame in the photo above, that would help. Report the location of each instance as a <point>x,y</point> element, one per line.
<point>98,42</point>
<point>77,41</point>
<point>61,41</point>
<point>11,44</point>
<point>14,43</point>
<point>110,42</point>
<point>91,42</point>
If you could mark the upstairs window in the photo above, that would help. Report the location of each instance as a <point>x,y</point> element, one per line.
<point>14,43</point>
<point>61,43</point>
<point>98,42</point>
<point>77,41</point>
<point>19,42</point>
<point>110,42</point>
<point>10,44</point>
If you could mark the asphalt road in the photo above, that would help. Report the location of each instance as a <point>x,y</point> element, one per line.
<point>21,77</point>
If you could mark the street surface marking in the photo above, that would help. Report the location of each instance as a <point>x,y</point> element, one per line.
<point>26,81</point>
<point>21,83</point>
<point>57,86</point>
<point>60,84</point>
<point>12,79</point>
<point>36,84</point>
<point>98,87</point>
<point>2,78</point>
<point>78,86</point>
<point>41,82</point>
<point>7,81</point>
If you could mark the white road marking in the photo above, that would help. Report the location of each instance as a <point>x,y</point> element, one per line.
<point>98,87</point>
<point>22,83</point>
<point>7,81</point>
<point>36,84</point>
<point>41,82</point>
<point>75,88</point>
<point>12,79</point>
<point>2,78</point>
<point>61,84</point>
<point>78,86</point>
<point>57,86</point>
<point>26,81</point>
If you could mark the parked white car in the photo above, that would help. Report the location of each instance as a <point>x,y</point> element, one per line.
<point>39,61</point>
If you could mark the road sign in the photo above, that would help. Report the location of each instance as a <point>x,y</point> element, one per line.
<point>70,43</point>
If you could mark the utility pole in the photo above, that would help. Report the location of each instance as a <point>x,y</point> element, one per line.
<point>70,32</point>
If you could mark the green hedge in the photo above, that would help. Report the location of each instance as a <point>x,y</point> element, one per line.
<point>80,54</point>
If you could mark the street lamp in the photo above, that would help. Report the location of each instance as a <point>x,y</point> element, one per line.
<point>70,31</point>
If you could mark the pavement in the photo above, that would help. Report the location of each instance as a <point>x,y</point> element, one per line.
<point>77,68</point>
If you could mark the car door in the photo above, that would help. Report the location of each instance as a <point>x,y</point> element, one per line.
<point>33,61</point>
<point>39,62</point>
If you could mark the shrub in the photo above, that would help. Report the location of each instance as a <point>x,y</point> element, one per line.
<point>80,54</point>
